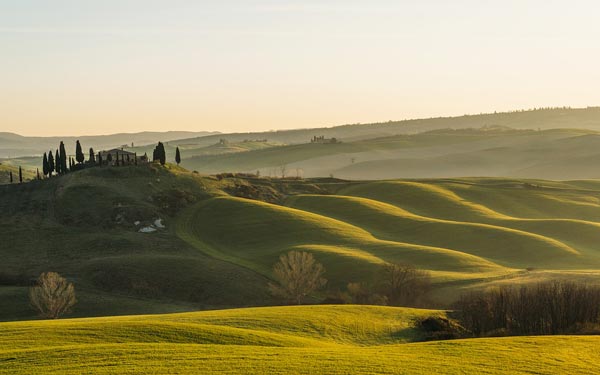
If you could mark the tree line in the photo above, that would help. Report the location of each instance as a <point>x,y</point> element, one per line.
<point>60,163</point>
<point>547,308</point>
<point>297,276</point>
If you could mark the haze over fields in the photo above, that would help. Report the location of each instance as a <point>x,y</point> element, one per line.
<point>559,143</point>
<point>299,187</point>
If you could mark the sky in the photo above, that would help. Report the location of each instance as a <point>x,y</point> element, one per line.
<point>106,66</point>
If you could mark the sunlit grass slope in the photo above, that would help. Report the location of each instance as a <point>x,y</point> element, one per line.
<point>6,169</point>
<point>459,229</point>
<point>254,234</point>
<point>503,245</point>
<point>567,212</point>
<point>280,340</point>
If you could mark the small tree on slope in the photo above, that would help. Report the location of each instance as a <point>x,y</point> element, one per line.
<point>79,153</point>
<point>51,165</point>
<point>45,165</point>
<point>177,156</point>
<point>53,295</point>
<point>297,274</point>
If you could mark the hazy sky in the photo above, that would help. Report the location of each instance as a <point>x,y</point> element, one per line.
<point>91,67</point>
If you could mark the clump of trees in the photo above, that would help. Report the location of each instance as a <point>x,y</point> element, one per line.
<point>53,296</point>
<point>159,154</point>
<point>549,308</point>
<point>60,163</point>
<point>399,284</point>
<point>297,275</point>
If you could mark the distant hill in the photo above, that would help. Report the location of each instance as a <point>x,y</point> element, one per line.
<point>568,118</point>
<point>14,145</point>
<point>488,151</point>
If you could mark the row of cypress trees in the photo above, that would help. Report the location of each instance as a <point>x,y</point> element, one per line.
<point>57,162</point>
<point>60,163</point>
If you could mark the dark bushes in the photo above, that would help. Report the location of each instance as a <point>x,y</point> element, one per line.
<point>440,328</point>
<point>556,307</point>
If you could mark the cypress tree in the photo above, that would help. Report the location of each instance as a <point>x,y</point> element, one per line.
<point>162,156</point>
<point>79,153</point>
<point>177,156</point>
<point>37,172</point>
<point>45,165</point>
<point>135,158</point>
<point>20,175</point>
<point>109,158</point>
<point>92,156</point>
<point>63,158</point>
<point>10,176</point>
<point>100,159</point>
<point>117,160</point>
<point>50,164</point>
<point>57,163</point>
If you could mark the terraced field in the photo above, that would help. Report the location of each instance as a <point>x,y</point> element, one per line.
<point>277,340</point>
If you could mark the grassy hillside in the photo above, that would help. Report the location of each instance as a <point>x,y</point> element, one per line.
<point>6,169</point>
<point>223,235</point>
<point>281,340</point>
<point>83,226</point>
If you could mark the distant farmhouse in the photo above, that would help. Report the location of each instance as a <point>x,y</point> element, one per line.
<point>324,140</point>
<point>118,156</point>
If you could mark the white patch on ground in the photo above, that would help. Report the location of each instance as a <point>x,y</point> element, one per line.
<point>158,223</point>
<point>136,223</point>
<point>147,230</point>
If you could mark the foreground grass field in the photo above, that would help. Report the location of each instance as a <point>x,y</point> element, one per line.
<point>280,340</point>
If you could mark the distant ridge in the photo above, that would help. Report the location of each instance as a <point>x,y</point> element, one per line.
<point>15,145</point>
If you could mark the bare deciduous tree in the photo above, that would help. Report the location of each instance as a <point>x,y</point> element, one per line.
<point>298,274</point>
<point>53,295</point>
<point>552,307</point>
<point>403,284</point>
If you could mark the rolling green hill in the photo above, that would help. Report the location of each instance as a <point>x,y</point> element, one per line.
<point>222,235</point>
<point>278,340</point>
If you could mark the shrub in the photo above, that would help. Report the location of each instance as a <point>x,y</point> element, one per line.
<point>53,295</point>
<point>440,328</point>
